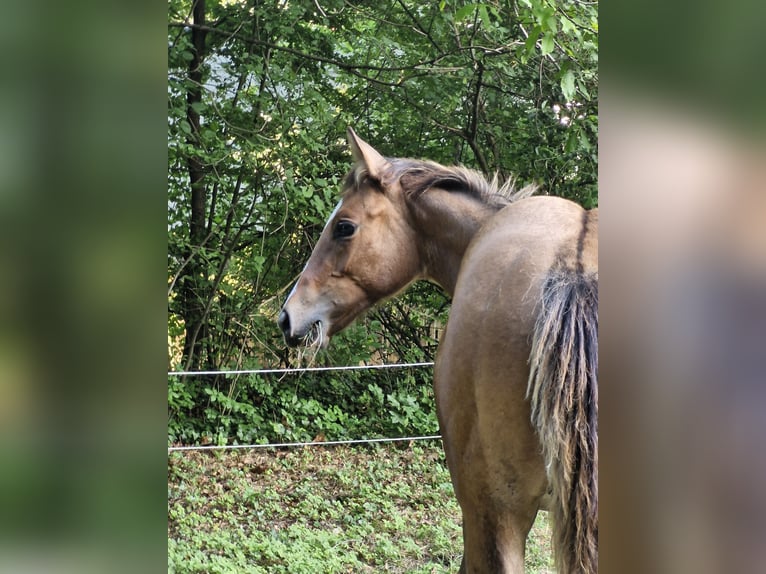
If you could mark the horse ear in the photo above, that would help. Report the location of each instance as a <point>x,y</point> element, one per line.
<point>364,152</point>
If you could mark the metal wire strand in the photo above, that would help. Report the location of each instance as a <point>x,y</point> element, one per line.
<point>296,444</point>
<point>299,370</point>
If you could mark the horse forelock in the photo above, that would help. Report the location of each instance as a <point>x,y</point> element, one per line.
<point>356,176</point>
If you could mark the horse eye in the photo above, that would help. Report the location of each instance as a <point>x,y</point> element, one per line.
<point>343,229</point>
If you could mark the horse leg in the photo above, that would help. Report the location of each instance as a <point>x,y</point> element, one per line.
<point>489,550</point>
<point>499,481</point>
<point>494,459</point>
<point>494,538</point>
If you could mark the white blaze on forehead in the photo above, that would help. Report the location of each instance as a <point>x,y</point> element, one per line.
<point>292,291</point>
<point>332,216</point>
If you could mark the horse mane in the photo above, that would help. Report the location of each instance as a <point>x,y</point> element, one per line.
<point>418,176</point>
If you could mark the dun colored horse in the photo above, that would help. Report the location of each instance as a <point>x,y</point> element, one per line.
<point>516,371</point>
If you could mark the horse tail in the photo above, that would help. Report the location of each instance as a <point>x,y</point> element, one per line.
<point>563,391</point>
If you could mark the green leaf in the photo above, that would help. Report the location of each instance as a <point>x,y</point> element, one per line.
<point>567,26</point>
<point>546,46</point>
<point>551,24</point>
<point>198,107</point>
<point>531,41</point>
<point>568,85</point>
<point>584,91</point>
<point>484,15</point>
<point>543,14</point>
<point>464,12</point>
<point>572,139</point>
<point>318,203</point>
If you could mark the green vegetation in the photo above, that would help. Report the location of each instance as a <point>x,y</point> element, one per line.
<point>332,406</point>
<point>320,510</point>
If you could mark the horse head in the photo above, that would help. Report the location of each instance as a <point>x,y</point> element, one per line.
<point>366,252</point>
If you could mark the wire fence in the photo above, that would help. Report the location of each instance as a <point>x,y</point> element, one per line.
<point>300,444</point>
<point>297,370</point>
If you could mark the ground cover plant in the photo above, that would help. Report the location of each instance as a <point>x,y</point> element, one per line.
<point>320,510</point>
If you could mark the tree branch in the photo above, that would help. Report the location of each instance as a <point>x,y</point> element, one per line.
<point>323,59</point>
<point>419,27</point>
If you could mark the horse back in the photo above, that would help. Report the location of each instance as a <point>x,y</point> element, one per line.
<point>516,249</point>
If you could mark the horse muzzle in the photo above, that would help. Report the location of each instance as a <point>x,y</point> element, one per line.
<point>292,339</point>
<point>309,334</point>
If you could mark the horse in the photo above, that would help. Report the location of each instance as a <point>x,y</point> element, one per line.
<point>516,370</point>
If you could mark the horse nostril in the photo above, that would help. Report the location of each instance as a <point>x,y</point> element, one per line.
<point>284,322</point>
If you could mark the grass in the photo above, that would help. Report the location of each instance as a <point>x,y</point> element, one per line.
<point>320,510</point>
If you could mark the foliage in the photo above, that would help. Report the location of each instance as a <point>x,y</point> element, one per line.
<point>335,509</point>
<point>259,96</point>
<point>306,407</point>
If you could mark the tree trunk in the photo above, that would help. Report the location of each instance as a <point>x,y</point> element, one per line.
<point>194,284</point>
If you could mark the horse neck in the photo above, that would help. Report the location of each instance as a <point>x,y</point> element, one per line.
<point>446,222</point>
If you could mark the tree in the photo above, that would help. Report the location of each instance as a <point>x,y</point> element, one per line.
<point>260,94</point>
